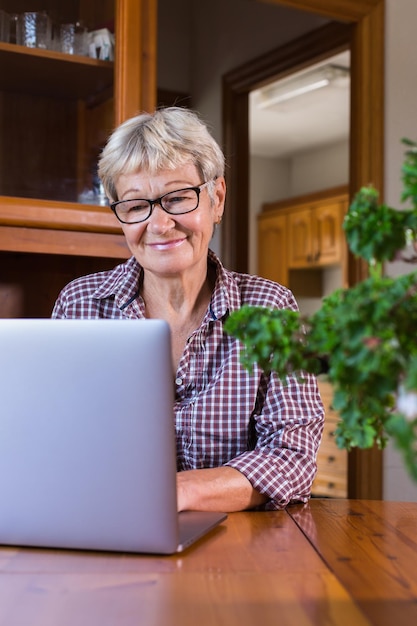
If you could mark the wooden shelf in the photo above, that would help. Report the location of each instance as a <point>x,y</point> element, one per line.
<point>45,226</point>
<point>51,215</point>
<point>53,74</point>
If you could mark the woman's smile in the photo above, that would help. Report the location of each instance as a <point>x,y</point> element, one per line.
<point>167,245</point>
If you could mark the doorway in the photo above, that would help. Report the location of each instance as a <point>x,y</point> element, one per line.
<point>314,47</point>
<point>363,33</point>
<point>299,131</point>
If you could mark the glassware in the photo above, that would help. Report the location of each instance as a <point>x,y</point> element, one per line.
<point>74,39</point>
<point>34,30</point>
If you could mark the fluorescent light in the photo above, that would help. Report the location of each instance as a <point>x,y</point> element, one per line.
<point>300,84</point>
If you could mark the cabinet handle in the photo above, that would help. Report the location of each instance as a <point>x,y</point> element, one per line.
<point>317,255</point>
<point>331,458</point>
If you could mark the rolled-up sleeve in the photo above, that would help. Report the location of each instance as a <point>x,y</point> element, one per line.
<point>288,429</point>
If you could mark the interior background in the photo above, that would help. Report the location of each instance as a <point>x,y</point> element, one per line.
<point>200,40</point>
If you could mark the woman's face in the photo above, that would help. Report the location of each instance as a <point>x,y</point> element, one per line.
<point>165,244</point>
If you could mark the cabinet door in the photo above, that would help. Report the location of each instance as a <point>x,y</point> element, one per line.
<point>328,233</point>
<point>272,248</point>
<point>57,108</point>
<point>300,238</point>
<point>316,236</point>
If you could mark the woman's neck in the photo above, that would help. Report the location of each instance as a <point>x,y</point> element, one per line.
<point>178,297</point>
<point>181,303</point>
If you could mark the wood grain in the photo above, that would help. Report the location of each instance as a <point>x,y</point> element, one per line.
<point>349,10</point>
<point>255,568</point>
<point>371,547</point>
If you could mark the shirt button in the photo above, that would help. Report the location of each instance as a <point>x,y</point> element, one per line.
<point>178,381</point>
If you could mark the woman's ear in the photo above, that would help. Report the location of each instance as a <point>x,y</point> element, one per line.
<point>219,197</point>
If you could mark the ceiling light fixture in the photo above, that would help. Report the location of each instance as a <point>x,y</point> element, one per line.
<point>300,84</point>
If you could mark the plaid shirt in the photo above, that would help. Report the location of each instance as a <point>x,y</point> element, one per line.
<point>224,415</point>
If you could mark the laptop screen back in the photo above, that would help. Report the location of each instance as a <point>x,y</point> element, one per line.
<point>87,444</point>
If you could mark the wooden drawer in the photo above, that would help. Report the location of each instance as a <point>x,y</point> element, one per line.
<point>331,459</point>
<point>332,462</point>
<point>328,442</point>
<point>330,485</point>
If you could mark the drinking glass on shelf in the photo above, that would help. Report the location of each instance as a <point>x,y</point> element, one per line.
<point>34,30</point>
<point>67,36</point>
<point>74,39</point>
<point>81,39</point>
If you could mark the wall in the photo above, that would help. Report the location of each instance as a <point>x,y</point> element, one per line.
<point>269,181</point>
<point>400,121</point>
<point>174,45</point>
<point>227,34</point>
<point>320,169</point>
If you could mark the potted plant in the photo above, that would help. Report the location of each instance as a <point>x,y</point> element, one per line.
<point>364,337</point>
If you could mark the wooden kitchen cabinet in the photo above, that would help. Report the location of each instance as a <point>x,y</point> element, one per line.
<point>56,112</point>
<point>300,237</point>
<point>272,244</point>
<point>315,234</point>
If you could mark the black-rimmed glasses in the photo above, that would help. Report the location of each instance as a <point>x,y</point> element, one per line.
<point>174,202</point>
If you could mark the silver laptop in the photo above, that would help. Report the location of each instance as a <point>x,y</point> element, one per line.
<point>87,438</point>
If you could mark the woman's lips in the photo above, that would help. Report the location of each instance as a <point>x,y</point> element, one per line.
<point>166,245</point>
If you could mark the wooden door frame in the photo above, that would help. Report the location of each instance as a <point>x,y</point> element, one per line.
<point>137,27</point>
<point>362,31</point>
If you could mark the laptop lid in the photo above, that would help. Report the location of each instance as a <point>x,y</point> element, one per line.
<point>87,437</point>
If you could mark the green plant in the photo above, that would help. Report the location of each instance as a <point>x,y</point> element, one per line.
<point>366,335</point>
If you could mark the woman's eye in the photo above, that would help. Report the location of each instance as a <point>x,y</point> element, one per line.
<point>137,207</point>
<point>175,199</point>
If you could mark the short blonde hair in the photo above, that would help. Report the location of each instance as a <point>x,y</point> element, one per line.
<point>166,139</point>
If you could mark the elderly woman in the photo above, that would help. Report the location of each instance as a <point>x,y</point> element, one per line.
<point>244,440</point>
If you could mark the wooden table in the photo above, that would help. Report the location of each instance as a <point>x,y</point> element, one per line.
<point>330,562</point>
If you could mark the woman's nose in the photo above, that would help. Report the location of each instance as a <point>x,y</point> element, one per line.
<point>159,220</point>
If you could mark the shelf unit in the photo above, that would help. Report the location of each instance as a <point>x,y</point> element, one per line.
<point>56,112</point>
<point>54,74</point>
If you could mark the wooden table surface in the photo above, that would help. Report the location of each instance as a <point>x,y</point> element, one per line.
<point>371,547</point>
<point>330,562</point>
